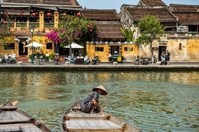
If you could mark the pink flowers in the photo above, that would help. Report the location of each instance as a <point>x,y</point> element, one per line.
<point>54,36</point>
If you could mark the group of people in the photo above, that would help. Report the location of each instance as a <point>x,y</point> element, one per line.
<point>165,57</point>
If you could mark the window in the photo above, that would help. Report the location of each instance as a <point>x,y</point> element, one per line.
<point>128,49</point>
<point>180,46</point>
<point>49,45</point>
<point>10,46</point>
<point>99,49</point>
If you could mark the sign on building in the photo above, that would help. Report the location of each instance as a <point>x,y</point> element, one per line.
<point>182,29</point>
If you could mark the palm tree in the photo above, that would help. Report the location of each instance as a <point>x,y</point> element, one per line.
<point>128,33</point>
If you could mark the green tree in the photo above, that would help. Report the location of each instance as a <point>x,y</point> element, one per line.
<point>77,29</point>
<point>151,29</point>
<point>128,33</point>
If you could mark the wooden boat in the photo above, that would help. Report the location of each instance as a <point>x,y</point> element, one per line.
<point>13,119</point>
<point>73,120</point>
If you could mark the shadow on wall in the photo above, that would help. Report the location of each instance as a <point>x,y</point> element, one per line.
<point>129,58</point>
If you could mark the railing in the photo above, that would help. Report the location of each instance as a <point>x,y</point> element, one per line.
<point>10,24</point>
<point>28,25</point>
<point>33,25</point>
<point>48,25</point>
<point>21,24</point>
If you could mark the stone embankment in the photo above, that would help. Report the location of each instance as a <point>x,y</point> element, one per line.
<point>173,66</point>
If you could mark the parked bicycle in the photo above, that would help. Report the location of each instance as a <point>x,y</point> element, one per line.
<point>37,60</point>
<point>8,59</point>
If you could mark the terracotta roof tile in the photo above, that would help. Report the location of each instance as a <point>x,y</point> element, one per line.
<point>184,8</point>
<point>56,2</point>
<point>188,18</point>
<point>153,2</point>
<point>112,31</point>
<point>162,14</point>
<point>95,14</point>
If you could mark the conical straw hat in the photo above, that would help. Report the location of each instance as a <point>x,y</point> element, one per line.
<point>101,88</point>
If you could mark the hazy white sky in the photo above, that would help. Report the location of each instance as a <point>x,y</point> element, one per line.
<point>116,4</point>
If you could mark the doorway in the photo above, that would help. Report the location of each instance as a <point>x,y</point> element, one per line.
<point>113,49</point>
<point>22,49</point>
<point>161,49</point>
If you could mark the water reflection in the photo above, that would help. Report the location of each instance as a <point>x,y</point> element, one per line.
<point>152,101</point>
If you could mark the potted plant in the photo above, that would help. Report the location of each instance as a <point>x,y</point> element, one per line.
<point>51,57</point>
<point>30,57</point>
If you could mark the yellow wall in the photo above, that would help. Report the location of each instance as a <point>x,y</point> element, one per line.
<point>103,56</point>
<point>189,51</point>
<point>130,55</point>
<point>39,39</point>
<point>193,50</point>
<point>177,54</point>
<point>9,39</point>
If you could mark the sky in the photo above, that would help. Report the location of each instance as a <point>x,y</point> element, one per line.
<point>116,4</point>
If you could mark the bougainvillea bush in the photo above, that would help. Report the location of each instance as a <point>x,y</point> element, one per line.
<point>53,35</point>
<point>75,29</point>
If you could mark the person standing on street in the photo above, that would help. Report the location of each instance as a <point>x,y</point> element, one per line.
<point>167,57</point>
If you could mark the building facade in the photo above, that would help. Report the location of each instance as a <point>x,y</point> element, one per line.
<point>180,22</point>
<point>29,21</point>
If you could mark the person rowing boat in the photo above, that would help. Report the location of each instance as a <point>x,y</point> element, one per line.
<point>90,104</point>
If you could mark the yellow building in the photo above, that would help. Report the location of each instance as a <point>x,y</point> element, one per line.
<point>30,22</point>
<point>127,51</point>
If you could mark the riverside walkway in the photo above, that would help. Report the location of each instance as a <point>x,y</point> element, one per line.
<point>126,66</point>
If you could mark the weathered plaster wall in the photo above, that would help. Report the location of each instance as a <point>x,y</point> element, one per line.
<point>193,50</point>
<point>144,51</point>
<point>130,55</point>
<point>178,49</point>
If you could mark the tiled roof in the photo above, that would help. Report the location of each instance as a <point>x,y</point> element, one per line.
<point>184,8</point>
<point>112,31</point>
<point>188,18</point>
<point>152,2</point>
<point>102,15</point>
<point>108,22</point>
<point>55,2</point>
<point>137,13</point>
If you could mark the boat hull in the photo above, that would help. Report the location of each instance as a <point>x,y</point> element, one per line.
<point>14,119</point>
<point>73,120</point>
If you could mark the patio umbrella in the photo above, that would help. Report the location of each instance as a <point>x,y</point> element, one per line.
<point>34,44</point>
<point>74,46</point>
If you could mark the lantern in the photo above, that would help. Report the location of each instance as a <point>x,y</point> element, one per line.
<point>33,14</point>
<point>78,14</point>
<point>20,14</point>
<point>48,14</point>
<point>5,13</point>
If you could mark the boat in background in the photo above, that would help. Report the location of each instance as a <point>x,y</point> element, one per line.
<point>14,119</point>
<point>73,120</point>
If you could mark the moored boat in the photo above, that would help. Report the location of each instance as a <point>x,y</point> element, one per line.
<point>73,120</point>
<point>14,119</point>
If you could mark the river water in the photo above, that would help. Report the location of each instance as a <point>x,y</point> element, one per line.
<point>151,101</point>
